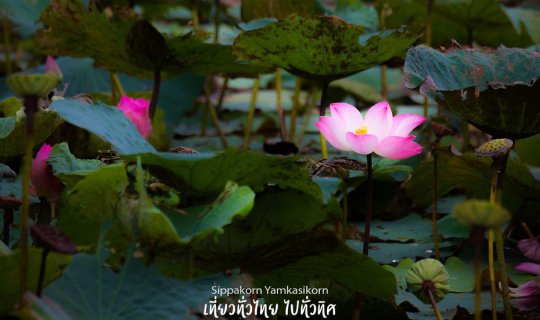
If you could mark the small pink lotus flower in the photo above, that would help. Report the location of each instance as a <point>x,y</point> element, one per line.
<point>379,132</point>
<point>530,248</point>
<point>44,183</point>
<point>52,67</point>
<point>137,111</point>
<point>528,267</point>
<point>526,289</point>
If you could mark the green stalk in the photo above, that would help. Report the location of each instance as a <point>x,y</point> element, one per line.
<point>434,213</point>
<point>30,108</point>
<point>345,210</point>
<point>7,46</point>
<point>251,114</point>
<point>222,94</point>
<point>113,91</point>
<point>217,21</point>
<point>212,112</point>
<point>434,305</point>
<point>296,104</point>
<point>384,80</point>
<point>280,112</point>
<point>369,205</point>
<point>155,92</point>
<point>499,168</point>
<point>429,28</point>
<point>322,111</point>
<point>195,15</point>
<point>307,116</point>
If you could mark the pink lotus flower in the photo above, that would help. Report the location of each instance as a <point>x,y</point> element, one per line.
<point>530,248</point>
<point>526,289</point>
<point>44,183</point>
<point>528,267</point>
<point>52,67</point>
<point>379,132</point>
<point>137,111</point>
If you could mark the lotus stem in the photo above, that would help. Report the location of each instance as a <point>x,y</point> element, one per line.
<point>369,204</point>
<point>251,114</point>
<point>195,15</point>
<point>217,21</point>
<point>493,285</point>
<point>345,210</point>
<point>384,80</point>
<point>528,230</point>
<point>307,116</point>
<point>434,305</point>
<point>114,98</point>
<point>429,28</point>
<point>222,94</point>
<point>322,111</point>
<point>42,268</point>
<point>296,104</point>
<point>30,108</point>
<point>155,92</point>
<point>434,213</point>
<point>281,113</point>
<point>212,112</point>
<point>499,168</point>
<point>117,84</point>
<point>7,45</point>
<point>8,220</point>
<point>477,235</point>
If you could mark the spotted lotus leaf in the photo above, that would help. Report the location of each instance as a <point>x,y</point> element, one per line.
<point>495,90</point>
<point>321,48</point>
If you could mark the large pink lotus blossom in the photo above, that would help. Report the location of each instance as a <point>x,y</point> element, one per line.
<point>530,248</point>
<point>379,132</point>
<point>526,289</point>
<point>528,267</point>
<point>52,67</point>
<point>44,183</point>
<point>137,111</point>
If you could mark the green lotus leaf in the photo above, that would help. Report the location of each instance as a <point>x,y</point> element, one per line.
<point>495,90</point>
<point>320,48</point>
<point>256,9</point>
<point>13,131</point>
<point>465,21</point>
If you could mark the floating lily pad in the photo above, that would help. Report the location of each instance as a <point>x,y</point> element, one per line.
<point>13,131</point>
<point>323,48</point>
<point>495,90</point>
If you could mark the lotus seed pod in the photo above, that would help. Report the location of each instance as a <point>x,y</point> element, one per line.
<point>481,213</point>
<point>428,275</point>
<point>494,148</point>
<point>37,85</point>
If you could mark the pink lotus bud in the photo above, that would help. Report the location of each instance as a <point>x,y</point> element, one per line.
<point>137,111</point>
<point>52,67</point>
<point>44,183</point>
<point>379,132</point>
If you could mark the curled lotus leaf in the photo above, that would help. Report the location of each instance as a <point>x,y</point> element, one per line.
<point>495,90</point>
<point>320,48</point>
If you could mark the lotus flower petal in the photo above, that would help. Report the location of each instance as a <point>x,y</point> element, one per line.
<point>137,111</point>
<point>379,120</point>
<point>526,289</point>
<point>398,148</point>
<point>528,267</point>
<point>44,183</point>
<point>347,115</point>
<point>362,143</point>
<point>52,67</point>
<point>403,124</point>
<point>530,248</point>
<point>334,132</point>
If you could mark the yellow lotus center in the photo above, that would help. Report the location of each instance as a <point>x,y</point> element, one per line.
<point>361,130</point>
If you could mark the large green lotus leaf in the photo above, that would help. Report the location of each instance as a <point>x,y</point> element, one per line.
<point>211,58</point>
<point>472,175</point>
<point>461,275</point>
<point>108,123</point>
<point>205,220</point>
<point>489,24</point>
<point>10,274</point>
<point>282,227</point>
<point>323,48</point>
<point>351,269</point>
<point>90,290</point>
<point>92,201</point>
<point>496,90</point>
<point>24,14</point>
<point>208,173</point>
<point>357,12</point>
<point>280,9</point>
<point>527,150</point>
<point>13,131</point>
<point>527,16</point>
<point>67,167</point>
